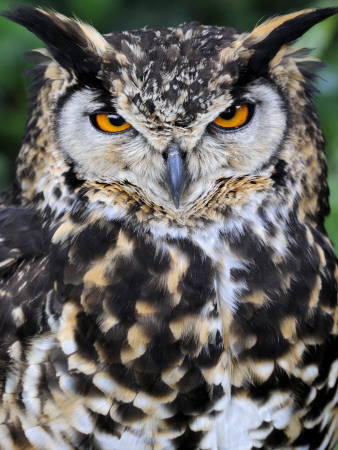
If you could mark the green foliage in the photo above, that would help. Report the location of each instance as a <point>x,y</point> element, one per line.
<point>117,15</point>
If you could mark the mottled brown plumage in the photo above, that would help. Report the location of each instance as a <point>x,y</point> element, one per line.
<point>169,284</point>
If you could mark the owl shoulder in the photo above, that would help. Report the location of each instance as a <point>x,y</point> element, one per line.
<point>21,234</point>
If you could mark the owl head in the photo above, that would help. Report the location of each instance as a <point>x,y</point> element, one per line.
<point>184,125</point>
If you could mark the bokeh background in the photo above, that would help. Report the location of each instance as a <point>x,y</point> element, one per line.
<point>109,15</point>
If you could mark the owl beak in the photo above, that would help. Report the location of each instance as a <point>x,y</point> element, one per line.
<point>175,172</point>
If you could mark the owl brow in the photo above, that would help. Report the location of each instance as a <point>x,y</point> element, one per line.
<point>239,90</point>
<point>246,76</point>
<point>105,99</point>
<point>238,93</point>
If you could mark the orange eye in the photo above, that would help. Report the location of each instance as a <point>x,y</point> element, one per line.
<point>111,123</point>
<point>235,116</point>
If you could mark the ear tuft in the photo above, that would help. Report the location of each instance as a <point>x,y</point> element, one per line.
<point>269,37</point>
<point>75,46</point>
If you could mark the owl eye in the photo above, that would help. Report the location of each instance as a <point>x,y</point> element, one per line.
<point>234,117</point>
<point>110,123</point>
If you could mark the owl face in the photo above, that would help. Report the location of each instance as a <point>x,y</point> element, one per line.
<point>209,146</point>
<point>184,97</point>
<point>172,119</point>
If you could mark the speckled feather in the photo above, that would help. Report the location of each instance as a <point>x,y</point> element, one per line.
<point>129,322</point>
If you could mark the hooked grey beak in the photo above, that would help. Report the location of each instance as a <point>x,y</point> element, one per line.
<point>176,173</point>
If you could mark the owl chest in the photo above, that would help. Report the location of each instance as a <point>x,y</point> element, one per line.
<point>148,324</point>
<point>149,309</point>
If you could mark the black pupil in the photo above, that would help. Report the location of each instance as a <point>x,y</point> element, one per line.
<point>229,112</point>
<point>116,120</point>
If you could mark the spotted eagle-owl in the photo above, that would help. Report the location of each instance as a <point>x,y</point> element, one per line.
<point>166,278</point>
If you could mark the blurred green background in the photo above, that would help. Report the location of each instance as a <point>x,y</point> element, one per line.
<point>109,15</point>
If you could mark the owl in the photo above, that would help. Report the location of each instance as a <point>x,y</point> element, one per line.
<point>166,278</point>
